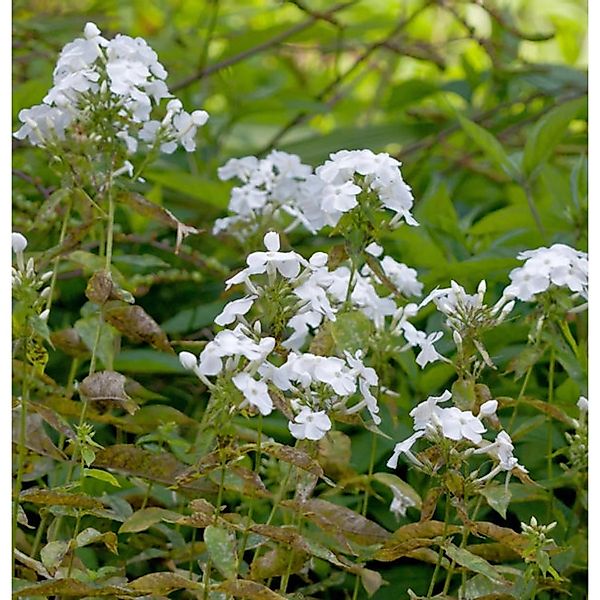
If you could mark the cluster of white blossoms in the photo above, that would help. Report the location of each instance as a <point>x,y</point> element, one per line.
<point>314,386</point>
<point>281,184</point>
<point>119,81</point>
<point>27,285</point>
<point>433,421</point>
<point>560,265</point>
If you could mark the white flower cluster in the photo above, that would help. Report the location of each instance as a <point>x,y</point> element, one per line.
<point>27,285</point>
<point>315,386</point>
<point>281,183</point>
<point>120,80</point>
<point>321,293</point>
<point>559,265</point>
<point>432,421</point>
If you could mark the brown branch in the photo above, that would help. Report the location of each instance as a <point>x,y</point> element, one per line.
<point>284,35</point>
<point>46,192</point>
<point>330,87</point>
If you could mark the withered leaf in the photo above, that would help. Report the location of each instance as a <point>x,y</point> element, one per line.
<point>70,342</point>
<point>411,537</point>
<point>501,534</point>
<point>161,467</point>
<point>252,590</point>
<point>71,588</point>
<point>146,208</point>
<point>494,552</point>
<point>275,563</point>
<point>208,463</point>
<point>99,287</point>
<point>48,497</point>
<point>93,536</point>
<point>107,386</point>
<point>162,583</point>
<point>36,438</point>
<point>335,453</point>
<point>242,480</point>
<point>146,517</point>
<point>342,520</point>
<point>294,456</point>
<point>135,323</point>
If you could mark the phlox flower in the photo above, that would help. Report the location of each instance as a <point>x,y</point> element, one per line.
<point>310,425</point>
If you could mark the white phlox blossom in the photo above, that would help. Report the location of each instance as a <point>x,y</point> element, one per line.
<point>310,425</point>
<point>501,450</point>
<point>256,393</point>
<point>424,341</point>
<point>275,185</point>
<point>560,266</point>
<point>400,502</point>
<point>379,173</point>
<point>95,74</point>
<point>234,309</point>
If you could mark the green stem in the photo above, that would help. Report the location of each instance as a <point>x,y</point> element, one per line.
<point>38,534</point>
<point>549,436</point>
<point>111,224</point>
<point>61,239</point>
<point>519,397</point>
<point>438,564</point>
<point>569,337</point>
<point>366,503</point>
<point>21,460</point>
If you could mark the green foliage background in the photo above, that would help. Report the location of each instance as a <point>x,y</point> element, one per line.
<point>483,102</point>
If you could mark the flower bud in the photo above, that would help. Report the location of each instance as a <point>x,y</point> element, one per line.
<point>45,292</point>
<point>19,242</point>
<point>46,276</point>
<point>457,339</point>
<point>45,314</point>
<point>188,361</point>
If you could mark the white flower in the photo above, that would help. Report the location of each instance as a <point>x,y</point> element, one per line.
<point>422,413</point>
<point>426,342</point>
<point>188,361</point>
<point>309,425</point>
<point>400,502</point>
<point>233,309</point>
<point>255,392</point>
<point>405,448</point>
<point>582,403</point>
<point>19,242</point>
<point>487,409</point>
<point>403,277</point>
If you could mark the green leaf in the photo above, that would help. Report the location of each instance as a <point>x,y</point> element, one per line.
<point>489,145</point>
<point>53,553</point>
<point>93,536</point>
<point>352,331</point>
<point>473,563</point>
<point>548,132</point>
<point>498,497</point>
<point>144,360</point>
<point>206,190</point>
<point>146,517</point>
<point>102,476</point>
<point>190,319</point>
<point>222,551</point>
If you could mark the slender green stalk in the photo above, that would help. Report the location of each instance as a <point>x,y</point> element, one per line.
<point>365,505</point>
<point>519,397</point>
<point>438,564</point>
<point>39,533</point>
<point>111,225</point>
<point>61,239</point>
<point>569,337</point>
<point>549,424</point>
<point>21,460</point>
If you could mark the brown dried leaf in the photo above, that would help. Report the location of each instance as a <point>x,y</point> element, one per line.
<point>36,438</point>
<point>70,342</point>
<point>99,287</point>
<point>494,552</point>
<point>506,536</point>
<point>334,454</point>
<point>146,208</point>
<point>70,588</point>
<point>53,419</point>
<point>161,467</point>
<point>135,323</point>
<point>162,583</point>
<point>47,497</point>
<point>242,480</point>
<point>339,519</point>
<point>208,463</point>
<point>430,503</point>
<point>294,456</point>
<point>275,563</point>
<point>107,386</point>
<point>411,537</point>
<point>252,590</point>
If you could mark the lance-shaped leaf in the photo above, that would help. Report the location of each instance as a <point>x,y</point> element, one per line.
<point>70,342</point>
<point>222,550</point>
<point>472,562</point>
<point>36,438</point>
<point>53,553</point>
<point>48,497</point>
<point>70,588</point>
<point>145,207</point>
<point>252,590</point>
<point>208,463</point>
<point>161,467</point>
<point>335,453</point>
<point>502,534</point>
<point>494,552</point>
<point>498,497</point>
<point>93,536</point>
<point>162,583</point>
<point>294,456</point>
<point>146,517</point>
<point>339,519</point>
<point>414,536</point>
<point>276,562</point>
<point>242,480</point>
<point>107,386</point>
<point>135,323</point>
